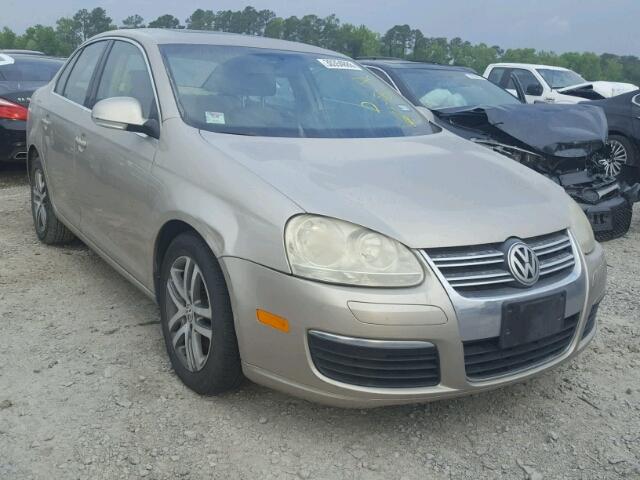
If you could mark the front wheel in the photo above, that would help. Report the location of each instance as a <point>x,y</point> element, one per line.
<point>624,161</point>
<point>197,320</point>
<point>49,229</point>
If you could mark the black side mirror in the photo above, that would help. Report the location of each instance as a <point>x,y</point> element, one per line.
<point>535,90</point>
<point>151,128</point>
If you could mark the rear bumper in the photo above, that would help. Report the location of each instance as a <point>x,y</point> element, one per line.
<point>425,314</point>
<point>13,141</point>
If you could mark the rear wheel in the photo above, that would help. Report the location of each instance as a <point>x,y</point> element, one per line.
<point>197,320</point>
<point>49,229</point>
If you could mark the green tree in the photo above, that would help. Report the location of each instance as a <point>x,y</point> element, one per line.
<point>165,21</point>
<point>133,21</point>
<point>68,35</point>
<point>7,38</point>
<point>275,28</point>
<point>201,20</point>
<point>40,38</point>
<point>357,41</point>
<point>398,41</point>
<point>90,23</point>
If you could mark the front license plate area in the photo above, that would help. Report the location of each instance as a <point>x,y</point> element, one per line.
<point>531,320</point>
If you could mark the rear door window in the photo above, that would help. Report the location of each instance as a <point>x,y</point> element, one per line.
<point>77,85</point>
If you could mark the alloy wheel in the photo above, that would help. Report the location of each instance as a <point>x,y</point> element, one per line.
<point>39,196</point>
<point>613,165</point>
<point>189,312</point>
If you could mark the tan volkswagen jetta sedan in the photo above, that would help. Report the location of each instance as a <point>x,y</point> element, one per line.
<point>301,224</point>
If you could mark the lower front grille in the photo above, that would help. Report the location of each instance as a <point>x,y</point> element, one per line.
<point>621,215</point>
<point>375,363</point>
<point>485,358</point>
<point>591,321</point>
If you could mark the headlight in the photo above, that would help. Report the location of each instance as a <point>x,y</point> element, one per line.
<point>334,251</point>
<point>581,229</point>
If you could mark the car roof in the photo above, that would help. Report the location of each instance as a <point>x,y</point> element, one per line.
<point>27,56</point>
<point>399,63</point>
<point>527,65</point>
<point>17,50</point>
<point>160,36</point>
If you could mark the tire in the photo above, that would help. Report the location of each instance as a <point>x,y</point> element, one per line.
<point>631,172</point>
<point>207,365</point>
<point>49,229</point>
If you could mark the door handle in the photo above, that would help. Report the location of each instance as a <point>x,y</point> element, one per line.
<point>46,123</point>
<point>81,143</point>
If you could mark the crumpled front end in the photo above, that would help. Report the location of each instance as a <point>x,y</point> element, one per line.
<point>565,143</point>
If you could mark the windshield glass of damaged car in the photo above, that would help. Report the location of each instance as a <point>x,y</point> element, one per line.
<point>254,91</point>
<point>441,89</point>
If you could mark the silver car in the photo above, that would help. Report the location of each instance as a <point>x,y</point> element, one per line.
<point>301,224</point>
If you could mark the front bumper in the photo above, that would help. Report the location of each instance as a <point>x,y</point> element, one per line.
<point>421,314</point>
<point>610,218</point>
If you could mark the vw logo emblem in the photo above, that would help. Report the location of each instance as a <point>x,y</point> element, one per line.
<point>523,264</point>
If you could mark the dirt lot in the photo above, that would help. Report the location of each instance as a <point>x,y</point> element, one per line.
<point>86,392</point>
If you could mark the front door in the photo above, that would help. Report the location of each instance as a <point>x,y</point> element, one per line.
<point>114,170</point>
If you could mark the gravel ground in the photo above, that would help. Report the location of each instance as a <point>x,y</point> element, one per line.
<point>87,392</point>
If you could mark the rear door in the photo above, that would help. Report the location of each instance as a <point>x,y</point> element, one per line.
<point>63,115</point>
<point>114,170</point>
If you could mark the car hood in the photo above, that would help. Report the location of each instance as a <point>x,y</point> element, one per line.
<point>568,131</point>
<point>605,89</point>
<point>429,191</point>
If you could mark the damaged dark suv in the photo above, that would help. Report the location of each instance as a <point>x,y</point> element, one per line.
<point>566,143</point>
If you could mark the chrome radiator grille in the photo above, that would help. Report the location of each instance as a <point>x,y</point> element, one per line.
<point>484,267</point>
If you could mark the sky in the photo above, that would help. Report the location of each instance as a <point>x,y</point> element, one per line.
<point>600,26</point>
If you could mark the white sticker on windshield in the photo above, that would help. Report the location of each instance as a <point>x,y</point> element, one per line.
<point>6,60</point>
<point>473,76</point>
<point>216,118</point>
<point>404,108</point>
<point>337,64</point>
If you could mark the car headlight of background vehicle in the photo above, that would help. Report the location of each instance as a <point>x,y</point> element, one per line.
<point>335,251</point>
<point>581,229</point>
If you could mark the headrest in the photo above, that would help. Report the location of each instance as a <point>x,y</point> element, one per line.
<point>247,75</point>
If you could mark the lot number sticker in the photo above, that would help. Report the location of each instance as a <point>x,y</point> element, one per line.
<point>336,64</point>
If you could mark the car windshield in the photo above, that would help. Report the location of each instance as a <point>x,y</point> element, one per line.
<point>560,78</point>
<point>256,91</point>
<point>28,70</point>
<point>442,89</point>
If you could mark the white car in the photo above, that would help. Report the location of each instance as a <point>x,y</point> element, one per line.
<point>549,84</point>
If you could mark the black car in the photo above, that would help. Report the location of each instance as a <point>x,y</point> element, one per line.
<point>20,75</point>
<point>623,115</point>
<point>567,143</point>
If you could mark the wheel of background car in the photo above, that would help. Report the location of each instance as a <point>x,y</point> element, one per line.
<point>197,320</point>
<point>624,162</point>
<point>48,228</point>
